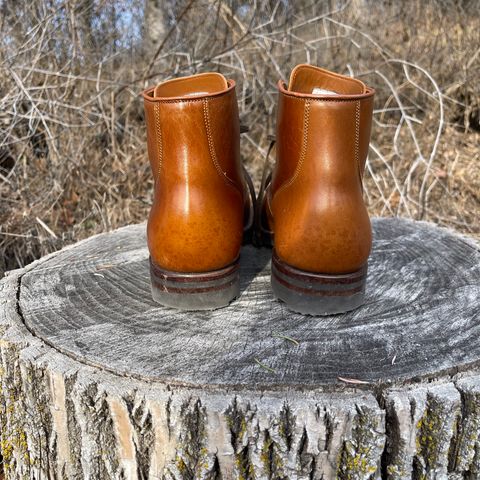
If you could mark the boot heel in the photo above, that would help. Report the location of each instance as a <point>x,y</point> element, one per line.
<point>317,293</point>
<point>195,291</point>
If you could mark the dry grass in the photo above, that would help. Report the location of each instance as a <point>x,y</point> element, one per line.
<point>72,145</point>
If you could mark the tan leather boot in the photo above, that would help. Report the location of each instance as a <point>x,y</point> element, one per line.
<point>201,201</point>
<point>313,204</point>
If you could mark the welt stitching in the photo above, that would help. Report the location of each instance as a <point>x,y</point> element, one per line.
<point>357,138</point>
<point>211,146</point>
<point>159,142</point>
<point>306,121</point>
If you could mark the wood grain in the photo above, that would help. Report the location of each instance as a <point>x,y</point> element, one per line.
<point>420,318</point>
<point>98,382</point>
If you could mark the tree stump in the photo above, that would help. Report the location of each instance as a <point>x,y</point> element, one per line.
<point>99,382</point>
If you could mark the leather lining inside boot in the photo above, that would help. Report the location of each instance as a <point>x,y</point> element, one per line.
<point>323,91</point>
<point>313,80</point>
<point>195,85</point>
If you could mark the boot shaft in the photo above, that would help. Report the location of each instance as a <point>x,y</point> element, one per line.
<point>193,129</point>
<point>323,128</point>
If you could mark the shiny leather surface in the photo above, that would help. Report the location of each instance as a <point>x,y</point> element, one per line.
<point>193,139</point>
<point>314,204</point>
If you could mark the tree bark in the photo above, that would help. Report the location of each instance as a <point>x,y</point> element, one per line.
<point>156,24</point>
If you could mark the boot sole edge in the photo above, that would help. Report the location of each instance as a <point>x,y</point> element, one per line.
<point>317,293</point>
<point>195,291</point>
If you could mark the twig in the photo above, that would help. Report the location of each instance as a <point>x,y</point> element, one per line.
<point>285,337</point>
<point>46,227</point>
<point>265,367</point>
<point>353,381</point>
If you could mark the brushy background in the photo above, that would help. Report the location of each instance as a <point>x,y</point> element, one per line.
<point>72,143</point>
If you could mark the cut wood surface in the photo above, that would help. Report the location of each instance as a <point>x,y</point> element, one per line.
<point>98,381</point>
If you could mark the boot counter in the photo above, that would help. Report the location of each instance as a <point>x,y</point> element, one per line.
<point>196,221</point>
<point>321,222</point>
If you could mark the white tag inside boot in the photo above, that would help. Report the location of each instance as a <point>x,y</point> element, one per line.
<point>322,91</point>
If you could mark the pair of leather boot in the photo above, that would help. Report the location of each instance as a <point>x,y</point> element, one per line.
<point>310,208</point>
